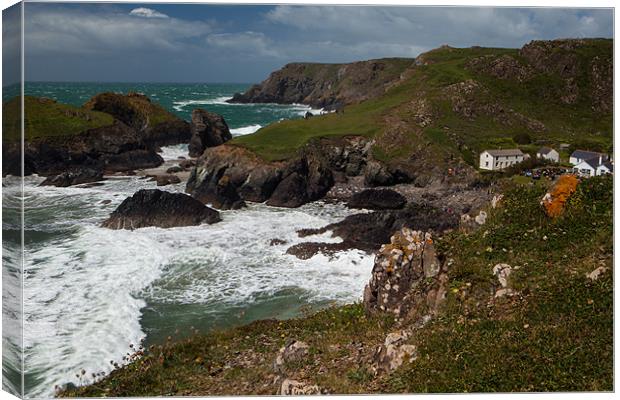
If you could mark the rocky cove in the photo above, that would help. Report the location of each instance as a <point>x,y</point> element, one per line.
<point>332,254</point>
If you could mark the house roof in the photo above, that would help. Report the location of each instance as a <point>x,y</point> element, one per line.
<point>585,155</point>
<point>505,152</point>
<point>545,150</point>
<point>607,165</point>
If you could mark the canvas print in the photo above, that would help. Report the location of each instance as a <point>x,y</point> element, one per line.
<point>229,199</point>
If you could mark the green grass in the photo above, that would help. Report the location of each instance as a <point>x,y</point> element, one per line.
<point>556,335</point>
<point>46,118</point>
<point>536,99</point>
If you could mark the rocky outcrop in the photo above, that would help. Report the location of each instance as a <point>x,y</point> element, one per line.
<point>408,279</point>
<point>111,148</point>
<point>76,177</point>
<point>226,174</point>
<point>367,232</point>
<point>156,126</point>
<point>153,207</point>
<point>326,85</point>
<point>377,199</point>
<point>208,130</point>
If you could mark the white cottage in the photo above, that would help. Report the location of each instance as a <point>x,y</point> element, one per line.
<point>580,156</point>
<point>593,167</point>
<point>549,154</point>
<point>495,160</point>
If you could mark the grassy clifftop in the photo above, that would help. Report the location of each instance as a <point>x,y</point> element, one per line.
<point>554,334</point>
<point>456,102</point>
<point>46,118</point>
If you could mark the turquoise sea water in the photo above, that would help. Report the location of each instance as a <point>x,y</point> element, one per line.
<point>180,99</point>
<point>90,292</point>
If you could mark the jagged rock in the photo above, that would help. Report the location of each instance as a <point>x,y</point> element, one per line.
<point>407,276</point>
<point>594,275</point>
<point>394,352</point>
<point>75,177</point>
<point>293,351</point>
<point>377,174</point>
<point>153,207</point>
<point>307,178</point>
<point>174,169</point>
<point>208,130</point>
<point>502,272</point>
<point>223,195</point>
<point>292,387</point>
<point>377,199</point>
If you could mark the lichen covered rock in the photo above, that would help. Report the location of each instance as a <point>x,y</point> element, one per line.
<point>407,277</point>
<point>554,201</point>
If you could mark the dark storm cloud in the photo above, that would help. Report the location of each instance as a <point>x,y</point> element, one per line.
<point>238,43</point>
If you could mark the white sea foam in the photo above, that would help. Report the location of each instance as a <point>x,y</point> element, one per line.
<point>180,105</point>
<point>245,130</point>
<point>174,152</point>
<point>86,286</point>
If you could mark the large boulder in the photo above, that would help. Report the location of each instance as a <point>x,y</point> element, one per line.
<point>153,207</point>
<point>74,177</point>
<point>377,199</point>
<point>208,130</point>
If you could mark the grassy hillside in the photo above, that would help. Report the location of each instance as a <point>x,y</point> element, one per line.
<point>45,117</point>
<point>460,101</point>
<point>556,334</point>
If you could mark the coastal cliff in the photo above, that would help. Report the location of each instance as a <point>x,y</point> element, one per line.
<point>326,85</point>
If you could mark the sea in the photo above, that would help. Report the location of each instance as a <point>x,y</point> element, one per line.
<point>90,293</point>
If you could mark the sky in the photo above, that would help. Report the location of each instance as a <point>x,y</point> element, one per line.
<point>124,42</point>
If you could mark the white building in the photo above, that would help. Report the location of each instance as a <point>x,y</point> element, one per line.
<point>593,167</point>
<point>580,156</point>
<point>495,160</point>
<point>549,154</point>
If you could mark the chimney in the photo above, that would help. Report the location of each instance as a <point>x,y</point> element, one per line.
<point>600,159</point>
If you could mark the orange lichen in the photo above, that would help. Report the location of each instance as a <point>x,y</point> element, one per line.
<point>554,201</point>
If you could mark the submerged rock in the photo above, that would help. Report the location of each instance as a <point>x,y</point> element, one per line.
<point>208,130</point>
<point>153,207</point>
<point>74,177</point>
<point>377,199</point>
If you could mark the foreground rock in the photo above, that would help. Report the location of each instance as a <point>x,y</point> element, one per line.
<point>408,278</point>
<point>76,177</point>
<point>208,130</point>
<point>377,199</point>
<point>153,207</point>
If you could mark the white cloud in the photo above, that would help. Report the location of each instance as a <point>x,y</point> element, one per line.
<point>147,13</point>
<point>429,27</point>
<point>74,31</point>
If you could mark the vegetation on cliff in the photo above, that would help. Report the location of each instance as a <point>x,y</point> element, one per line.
<point>454,102</point>
<point>47,118</point>
<point>552,331</point>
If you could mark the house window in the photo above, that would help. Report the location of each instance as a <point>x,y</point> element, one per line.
<point>486,164</point>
